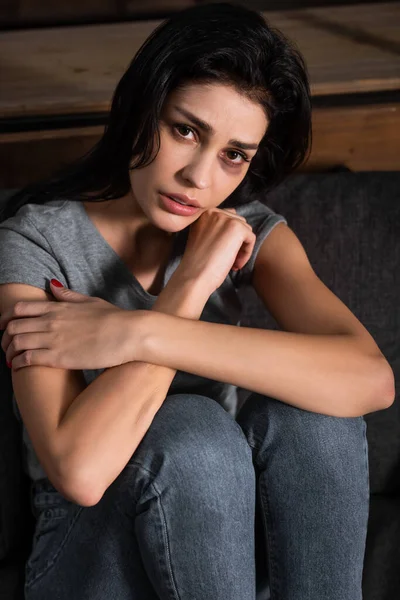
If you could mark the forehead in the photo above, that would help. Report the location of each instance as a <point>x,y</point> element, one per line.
<point>225,109</point>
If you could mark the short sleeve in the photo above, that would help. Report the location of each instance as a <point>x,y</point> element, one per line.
<point>25,254</point>
<point>262,220</point>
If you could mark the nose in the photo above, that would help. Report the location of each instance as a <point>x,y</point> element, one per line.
<point>198,171</point>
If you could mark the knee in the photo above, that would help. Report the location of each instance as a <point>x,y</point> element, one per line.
<point>198,439</point>
<point>305,436</point>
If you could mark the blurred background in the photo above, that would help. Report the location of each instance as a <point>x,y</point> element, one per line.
<point>28,13</point>
<point>61,60</point>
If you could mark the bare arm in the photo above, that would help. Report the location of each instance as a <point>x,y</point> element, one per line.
<point>84,437</point>
<point>116,409</point>
<point>73,427</point>
<point>332,374</point>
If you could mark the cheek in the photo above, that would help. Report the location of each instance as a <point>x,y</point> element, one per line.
<point>159,166</point>
<point>172,155</point>
<point>231,182</point>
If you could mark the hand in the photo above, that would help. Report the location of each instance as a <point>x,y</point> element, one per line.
<point>218,241</point>
<point>76,332</point>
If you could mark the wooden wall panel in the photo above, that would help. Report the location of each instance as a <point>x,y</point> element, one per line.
<point>58,74</point>
<point>73,11</point>
<point>363,138</point>
<point>27,157</point>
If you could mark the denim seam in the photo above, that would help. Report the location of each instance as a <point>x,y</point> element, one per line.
<point>168,552</point>
<point>366,462</point>
<point>273,583</point>
<point>135,463</point>
<point>53,560</point>
<point>163,525</point>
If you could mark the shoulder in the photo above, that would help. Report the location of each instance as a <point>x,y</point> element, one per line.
<point>263,220</point>
<point>49,226</point>
<point>33,243</point>
<point>256,212</point>
<point>36,216</point>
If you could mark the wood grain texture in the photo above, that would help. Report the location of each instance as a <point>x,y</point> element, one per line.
<point>362,138</point>
<point>70,70</point>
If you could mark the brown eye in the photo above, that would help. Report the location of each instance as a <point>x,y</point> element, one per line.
<point>180,127</point>
<point>237,154</point>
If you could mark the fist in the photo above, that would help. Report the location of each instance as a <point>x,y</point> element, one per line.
<point>219,240</point>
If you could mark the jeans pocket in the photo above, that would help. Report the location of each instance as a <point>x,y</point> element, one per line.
<point>56,517</point>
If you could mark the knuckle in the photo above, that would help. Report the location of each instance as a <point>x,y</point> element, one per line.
<point>16,344</point>
<point>52,325</point>
<point>8,329</point>
<point>19,308</point>
<point>236,225</point>
<point>26,358</point>
<point>11,328</point>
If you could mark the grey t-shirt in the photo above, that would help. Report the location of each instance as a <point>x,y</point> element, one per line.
<point>59,240</point>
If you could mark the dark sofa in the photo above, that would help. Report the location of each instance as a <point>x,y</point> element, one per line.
<point>349,224</point>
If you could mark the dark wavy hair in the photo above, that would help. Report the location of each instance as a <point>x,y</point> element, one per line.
<point>220,42</point>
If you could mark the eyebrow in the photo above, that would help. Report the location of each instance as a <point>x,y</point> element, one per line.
<point>209,129</point>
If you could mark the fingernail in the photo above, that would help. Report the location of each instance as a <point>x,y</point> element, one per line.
<point>9,365</point>
<point>56,283</point>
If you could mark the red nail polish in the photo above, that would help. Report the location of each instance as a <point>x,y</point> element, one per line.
<point>9,365</point>
<point>56,283</point>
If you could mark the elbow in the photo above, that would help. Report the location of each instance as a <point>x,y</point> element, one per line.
<point>376,393</point>
<point>77,487</point>
<point>384,388</point>
<point>388,387</point>
<point>81,493</point>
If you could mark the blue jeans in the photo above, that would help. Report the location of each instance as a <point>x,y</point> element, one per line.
<point>209,508</point>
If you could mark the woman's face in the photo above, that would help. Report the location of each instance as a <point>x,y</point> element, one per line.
<point>206,162</point>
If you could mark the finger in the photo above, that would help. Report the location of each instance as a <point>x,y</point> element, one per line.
<point>27,341</point>
<point>32,357</point>
<point>5,341</point>
<point>245,251</point>
<point>233,211</point>
<point>66,295</point>
<point>24,308</point>
<point>5,317</point>
<point>28,325</point>
<point>18,326</point>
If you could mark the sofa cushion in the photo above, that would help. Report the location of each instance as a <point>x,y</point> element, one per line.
<point>349,224</point>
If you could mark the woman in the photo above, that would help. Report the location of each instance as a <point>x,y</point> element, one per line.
<point>143,485</point>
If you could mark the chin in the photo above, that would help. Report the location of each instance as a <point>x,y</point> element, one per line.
<point>171,223</point>
<point>171,227</point>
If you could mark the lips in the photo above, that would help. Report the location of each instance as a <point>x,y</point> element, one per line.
<point>183,198</point>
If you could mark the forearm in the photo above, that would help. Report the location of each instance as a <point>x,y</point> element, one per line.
<point>328,374</point>
<point>107,421</point>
